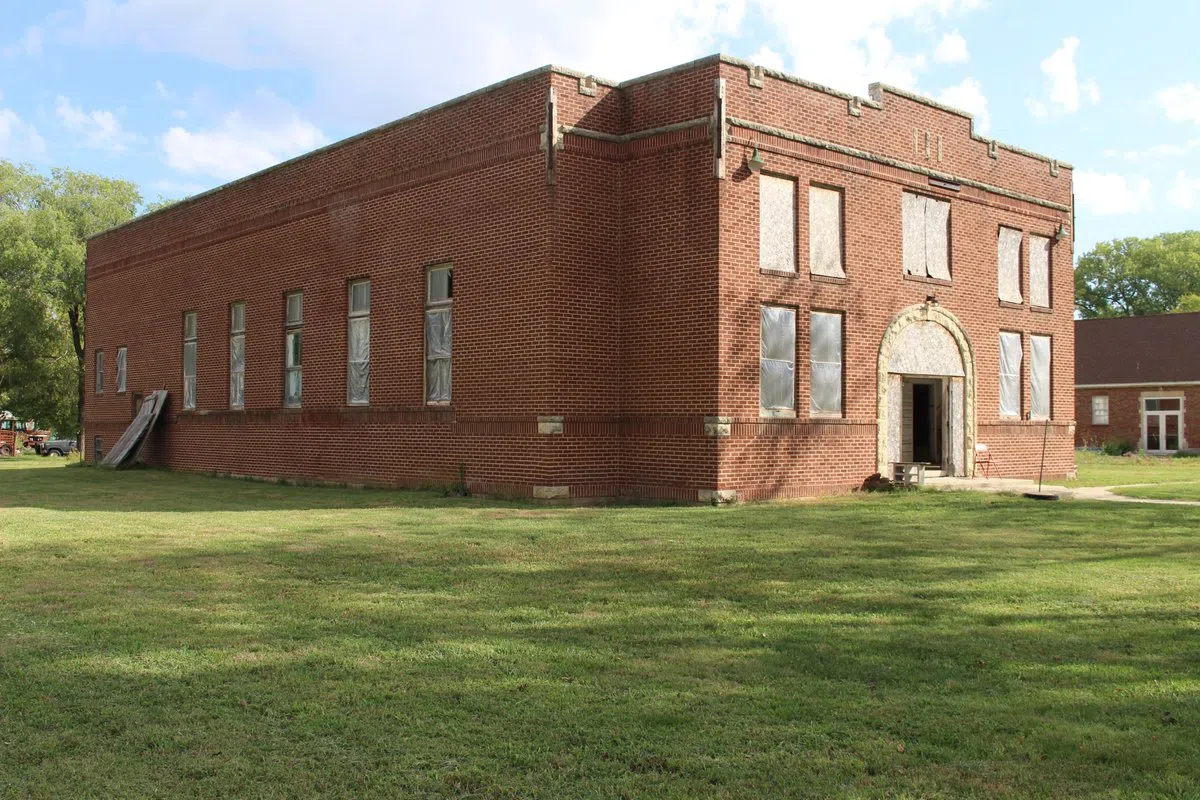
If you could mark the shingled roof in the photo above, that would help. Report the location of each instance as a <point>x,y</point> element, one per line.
<point>1162,349</point>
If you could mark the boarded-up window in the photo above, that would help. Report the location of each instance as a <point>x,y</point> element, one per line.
<point>1039,377</point>
<point>122,360</point>
<point>237,355</point>
<point>293,340</point>
<point>99,372</point>
<point>926,236</point>
<point>776,223</point>
<point>777,360</point>
<point>825,357</point>
<point>1008,258</point>
<point>1100,409</point>
<point>825,232</point>
<point>358,349</point>
<point>1039,271</point>
<point>1010,374</point>
<point>189,360</point>
<point>439,333</point>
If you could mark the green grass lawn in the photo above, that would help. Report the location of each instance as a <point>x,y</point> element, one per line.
<point>178,636</point>
<point>1100,470</point>
<point>1164,491</point>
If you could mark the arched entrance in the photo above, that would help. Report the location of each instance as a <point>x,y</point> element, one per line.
<point>926,408</point>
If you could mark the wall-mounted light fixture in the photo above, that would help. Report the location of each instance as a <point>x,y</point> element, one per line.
<point>1061,233</point>
<point>756,161</point>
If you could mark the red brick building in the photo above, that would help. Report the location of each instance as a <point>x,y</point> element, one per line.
<point>1137,381</point>
<point>715,280</point>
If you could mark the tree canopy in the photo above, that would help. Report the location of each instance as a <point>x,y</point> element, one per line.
<point>1139,277</point>
<point>45,221</point>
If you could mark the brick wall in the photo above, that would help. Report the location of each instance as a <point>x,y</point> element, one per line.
<point>621,297</point>
<point>1125,414</point>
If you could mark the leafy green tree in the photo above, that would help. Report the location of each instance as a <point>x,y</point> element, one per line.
<point>45,221</point>
<point>1138,277</point>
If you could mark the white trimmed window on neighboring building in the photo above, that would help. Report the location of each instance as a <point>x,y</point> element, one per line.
<point>1099,409</point>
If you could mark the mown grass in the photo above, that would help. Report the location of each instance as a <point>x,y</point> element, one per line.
<point>1101,470</point>
<point>170,635</point>
<point>1163,491</point>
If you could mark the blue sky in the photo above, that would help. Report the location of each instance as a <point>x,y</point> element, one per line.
<point>183,95</point>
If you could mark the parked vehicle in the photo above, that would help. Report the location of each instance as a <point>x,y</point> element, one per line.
<point>34,442</point>
<point>59,447</point>
<point>10,429</point>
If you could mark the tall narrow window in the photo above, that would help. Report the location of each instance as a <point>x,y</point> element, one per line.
<point>237,355</point>
<point>1008,265</point>
<point>1099,409</point>
<point>926,236</point>
<point>825,356</point>
<point>358,350</point>
<point>439,333</point>
<point>1010,374</point>
<point>777,361</point>
<point>189,360</point>
<point>776,223</point>
<point>1039,377</point>
<point>99,372</point>
<point>122,359</point>
<point>1039,271</point>
<point>292,344</point>
<point>825,232</point>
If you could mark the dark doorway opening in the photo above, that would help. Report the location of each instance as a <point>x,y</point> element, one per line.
<point>927,411</point>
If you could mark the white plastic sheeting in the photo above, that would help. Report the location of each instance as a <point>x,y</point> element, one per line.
<point>777,359</point>
<point>293,382</point>
<point>237,370</point>
<point>439,345</point>
<point>826,361</point>
<point>122,361</point>
<point>1008,265</point>
<point>189,375</point>
<point>358,374</point>
<point>926,236</point>
<point>1039,377</point>
<point>99,371</point>
<point>1039,271</point>
<point>825,232</point>
<point>1010,374</point>
<point>776,223</point>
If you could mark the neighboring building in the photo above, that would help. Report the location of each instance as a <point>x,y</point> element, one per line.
<point>715,280</point>
<point>1137,380</point>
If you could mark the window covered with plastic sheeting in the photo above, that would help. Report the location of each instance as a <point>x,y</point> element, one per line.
<point>293,340</point>
<point>1039,271</point>
<point>122,361</point>
<point>439,334</point>
<point>777,361</point>
<point>358,348</point>
<point>1039,377</point>
<point>825,357</point>
<point>1010,374</point>
<point>825,232</point>
<point>237,355</point>
<point>926,224</point>
<point>189,360</point>
<point>99,372</point>
<point>1008,265</point>
<point>776,223</point>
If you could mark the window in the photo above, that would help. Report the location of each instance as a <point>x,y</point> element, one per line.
<point>825,355</point>
<point>189,360</point>
<point>1039,377</point>
<point>99,372</point>
<point>292,336</point>
<point>1010,374</point>
<point>926,236</point>
<point>776,223</point>
<point>1039,271</point>
<point>439,333</point>
<point>358,350</point>
<point>1099,409</point>
<point>122,359</point>
<point>825,232</point>
<point>777,361</point>
<point>237,355</point>
<point>1008,258</point>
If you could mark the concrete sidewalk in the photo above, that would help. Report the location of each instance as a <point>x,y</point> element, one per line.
<point>1021,485</point>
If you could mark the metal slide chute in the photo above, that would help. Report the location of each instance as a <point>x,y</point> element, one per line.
<point>127,449</point>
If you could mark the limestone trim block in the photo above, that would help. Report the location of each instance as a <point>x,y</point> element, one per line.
<point>717,497</point>
<point>551,492</point>
<point>718,426</point>
<point>550,426</point>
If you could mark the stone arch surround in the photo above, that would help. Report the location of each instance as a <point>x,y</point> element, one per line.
<point>926,312</point>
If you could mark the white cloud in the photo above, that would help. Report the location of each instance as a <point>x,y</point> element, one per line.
<point>101,129</point>
<point>968,96</point>
<point>1181,103</point>
<point>162,90</point>
<point>1108,193</point>
<point>768,58</point>
<point>1158,151</point>
<point>1185,193</point>
<point>30,43</point>
<point>952,49</point>
<point>1064,92</point>
<point>243,142</point>
<point>18,139</point>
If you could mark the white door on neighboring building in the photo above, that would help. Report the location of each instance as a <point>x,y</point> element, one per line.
<point>1162,424</point>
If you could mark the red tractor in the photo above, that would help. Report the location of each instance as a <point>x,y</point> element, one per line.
<point>12,433</point>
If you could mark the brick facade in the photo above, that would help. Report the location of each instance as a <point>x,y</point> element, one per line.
<point>606,292</point>
<point>1125,414</point>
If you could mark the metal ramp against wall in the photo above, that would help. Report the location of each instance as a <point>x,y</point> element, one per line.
<point>127,449</point>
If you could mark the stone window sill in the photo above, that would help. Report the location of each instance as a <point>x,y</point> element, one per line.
<point>779,273</point>
<point>1009,304</point>
<point>767,414</point>
<point>1041,310</point>
<point>927,279</point>
<point>829,279</point>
